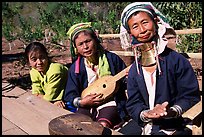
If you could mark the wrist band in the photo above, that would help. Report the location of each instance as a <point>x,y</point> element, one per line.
<point>76,102</point>
<point>143,118</point>
<point>173,109</point>
<point>179,109</point>
<point>176,109</point>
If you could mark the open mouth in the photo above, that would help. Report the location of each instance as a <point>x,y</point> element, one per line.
<point>87,52</point>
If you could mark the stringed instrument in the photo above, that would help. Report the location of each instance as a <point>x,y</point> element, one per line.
<point>107,85</point>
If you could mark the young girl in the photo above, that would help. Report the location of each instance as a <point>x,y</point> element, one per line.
<point>48,79</point>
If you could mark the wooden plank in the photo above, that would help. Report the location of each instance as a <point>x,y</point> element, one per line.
<point>41,106</point>
<point>24,117</point>
<point>197,130</point>
<point>106,36</point>
<point>193,111</point>
<point>30,113</point>
<point>130,53</point>
<point>189,31</point>
<point>178,32</point>
<point>200,82</point>
<point>8,128</point>
<point>123,53</point>
<point>26,98</point>
<point>11,92</point>
<point>195,55</point>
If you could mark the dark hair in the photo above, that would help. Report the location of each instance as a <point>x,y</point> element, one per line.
<point>89,32</point>
<point>33,46</point>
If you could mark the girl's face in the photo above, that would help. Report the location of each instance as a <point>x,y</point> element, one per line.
<point>85,44</point>
<point>142,27</point>
<point>38,60</point>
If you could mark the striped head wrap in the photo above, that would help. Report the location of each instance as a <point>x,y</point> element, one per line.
<point>140,6</point>
<point>73,31</point>
<point>104,68</point>
<point>163,24</point>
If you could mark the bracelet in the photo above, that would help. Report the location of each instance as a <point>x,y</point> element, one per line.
<point>177,109</point>
<point>76,102</point>
<point>174,110</point>
<point>143,118</point>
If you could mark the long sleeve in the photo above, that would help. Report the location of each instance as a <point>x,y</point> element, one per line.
<point>183,82</point>
<point>52,84</point>
<point>76,82</point>
<point>36,79</point>
<point>55,82</point>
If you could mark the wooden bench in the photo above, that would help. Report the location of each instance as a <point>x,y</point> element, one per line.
<point>34,116</point>
<point>28,112</point>
<point>195,114</point>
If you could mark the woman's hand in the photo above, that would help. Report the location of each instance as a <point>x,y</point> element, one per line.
<point>159,111</point>
<point>92,100</point>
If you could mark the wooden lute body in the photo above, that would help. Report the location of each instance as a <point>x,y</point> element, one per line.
<point>107,85</point>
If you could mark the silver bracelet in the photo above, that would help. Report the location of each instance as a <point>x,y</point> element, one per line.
<point>177,109</point>
<point>76,102</point>
<point>143,118</point>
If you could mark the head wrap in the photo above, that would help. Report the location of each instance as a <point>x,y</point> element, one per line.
<point>163,24</point>
<point>132,8</point>
<point>104,68</point>
<point>73,31</point>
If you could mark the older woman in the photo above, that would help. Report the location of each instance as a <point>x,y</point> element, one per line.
<point>161,82</point>
<point>92,62</point>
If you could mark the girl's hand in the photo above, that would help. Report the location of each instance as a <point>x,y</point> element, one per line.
<point>92,100</point>
<point>39,95</point>
<point>59,103</point>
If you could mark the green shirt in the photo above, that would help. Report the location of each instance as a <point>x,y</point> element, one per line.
<point>52,84</point>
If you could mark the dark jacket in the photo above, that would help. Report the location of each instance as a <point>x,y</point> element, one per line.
<point>177,84</point>
<point>76,83</point>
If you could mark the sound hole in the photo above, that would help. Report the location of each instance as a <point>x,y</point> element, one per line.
<point>104,85</point>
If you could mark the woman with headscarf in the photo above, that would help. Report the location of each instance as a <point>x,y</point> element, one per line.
<point>161,83</point>
<point>92,62</point>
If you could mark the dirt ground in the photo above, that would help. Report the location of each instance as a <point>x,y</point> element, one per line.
<point>16,71</point>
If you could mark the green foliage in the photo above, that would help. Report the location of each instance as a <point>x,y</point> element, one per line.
<point>8,29</point>
<point>62,15</point>
<point>29,31</point>
<point>190,43</point>
<point>182,15</point>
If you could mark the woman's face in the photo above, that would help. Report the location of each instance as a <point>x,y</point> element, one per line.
<point>142,27</point>
<point>38,60</point>
<point>85,44</point>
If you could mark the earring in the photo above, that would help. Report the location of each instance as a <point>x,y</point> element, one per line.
<point>75,51</point>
